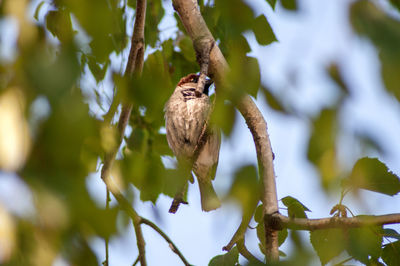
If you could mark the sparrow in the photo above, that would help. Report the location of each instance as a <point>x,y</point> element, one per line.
<point>193,141</point>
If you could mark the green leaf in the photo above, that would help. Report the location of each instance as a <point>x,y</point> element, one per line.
<point>390,253</point>
<point>384,31</point>
<point>295,207</point>
<point>263,31</point>
<point>146,172</point>
<point>282,235</point>
<point>395,3</point>
<point>185,44</point>
<point>322,146</point>
<point>371,174</point>
<point>224,116</point>
<point>272,3</point>
<point>97,70</point>
<point>259,214</point>
<point>336,75</point>
<point>364,242</point>
<point>243,67</point>
<point>327,243</point>
<point>36,15</point>
<point>229,259</point>
<point>160,145</point>
<point>155,12</point>
<point>289,4</point>
<point>261,236</point>
<point>236,17</point>
<point>274,102</point>
<point>388,232</point>
<point>245,188</point>
<point>58,22</point>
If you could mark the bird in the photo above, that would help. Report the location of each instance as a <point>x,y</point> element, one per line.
<point>193,141</point>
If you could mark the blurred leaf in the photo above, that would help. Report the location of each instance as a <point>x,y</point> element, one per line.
<point>243,67</point>
<point>229,259</point>
<point>289,4</point>
<point>146,172</point>
<point>272,3</point>
<point>160,145</point>
<point>97,70</point>
<point>371,174</point>
<point>102,20</point>
<point>185,44</point>
<point>364,242</point>
<point>78,252</point>
<point>336,75</point>
<point>370,142</point>
<point>68,144</point>
<point>384,31</point>
<point>259,214</point>
<point>173,179</point>
<point>58,22</point>
<point>388,232</point>
<point>245,188</point>
<point>295,207</point>
<point>152,89</point>
<point>224,116</point>
<point>327,243</point>
<point>263,31</point>
<point>37,10</point>
<point>395,3</point>
<point>236,17</point>
<point>261,236</point>
<point>322,146</point>
<point>154,14</point>
<point>273,102</point>
<point>211,16</point>
<point>282,235</point>
<point>139,140</point>
<point>390,253</point>
<point>53,78</point>
<point>167,49</point>
<point>179,22</point>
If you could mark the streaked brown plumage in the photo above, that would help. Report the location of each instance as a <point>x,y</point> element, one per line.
<point>186,114</point>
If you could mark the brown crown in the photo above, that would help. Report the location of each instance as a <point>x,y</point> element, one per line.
<point>191,78</point>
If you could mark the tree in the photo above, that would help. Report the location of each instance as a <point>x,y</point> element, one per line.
<point>52,140</point>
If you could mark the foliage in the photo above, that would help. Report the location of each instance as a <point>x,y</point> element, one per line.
<point>53,140</point>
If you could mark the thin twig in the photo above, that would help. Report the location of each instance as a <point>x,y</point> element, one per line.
<point>336,222</point>
<point>136,261</point>
<point>245,252</point>
<point>239,234</point>
<point>107,262</point>
<point>169,241</point>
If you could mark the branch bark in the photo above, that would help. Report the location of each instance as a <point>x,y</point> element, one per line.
<point>134,66</point>
<point>198,31</point>
<point>335,222</point>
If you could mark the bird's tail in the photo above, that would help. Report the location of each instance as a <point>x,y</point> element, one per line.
<point>209,199</point>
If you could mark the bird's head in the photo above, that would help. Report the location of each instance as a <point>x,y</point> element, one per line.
<point>193,78</point>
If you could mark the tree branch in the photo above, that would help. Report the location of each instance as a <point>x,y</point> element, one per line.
<point>197,29</point>
<point>336,222</point>
<point>134,66</point>
<point>173,247</point>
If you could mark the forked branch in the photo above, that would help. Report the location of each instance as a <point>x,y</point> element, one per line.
<point>197,30</point>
